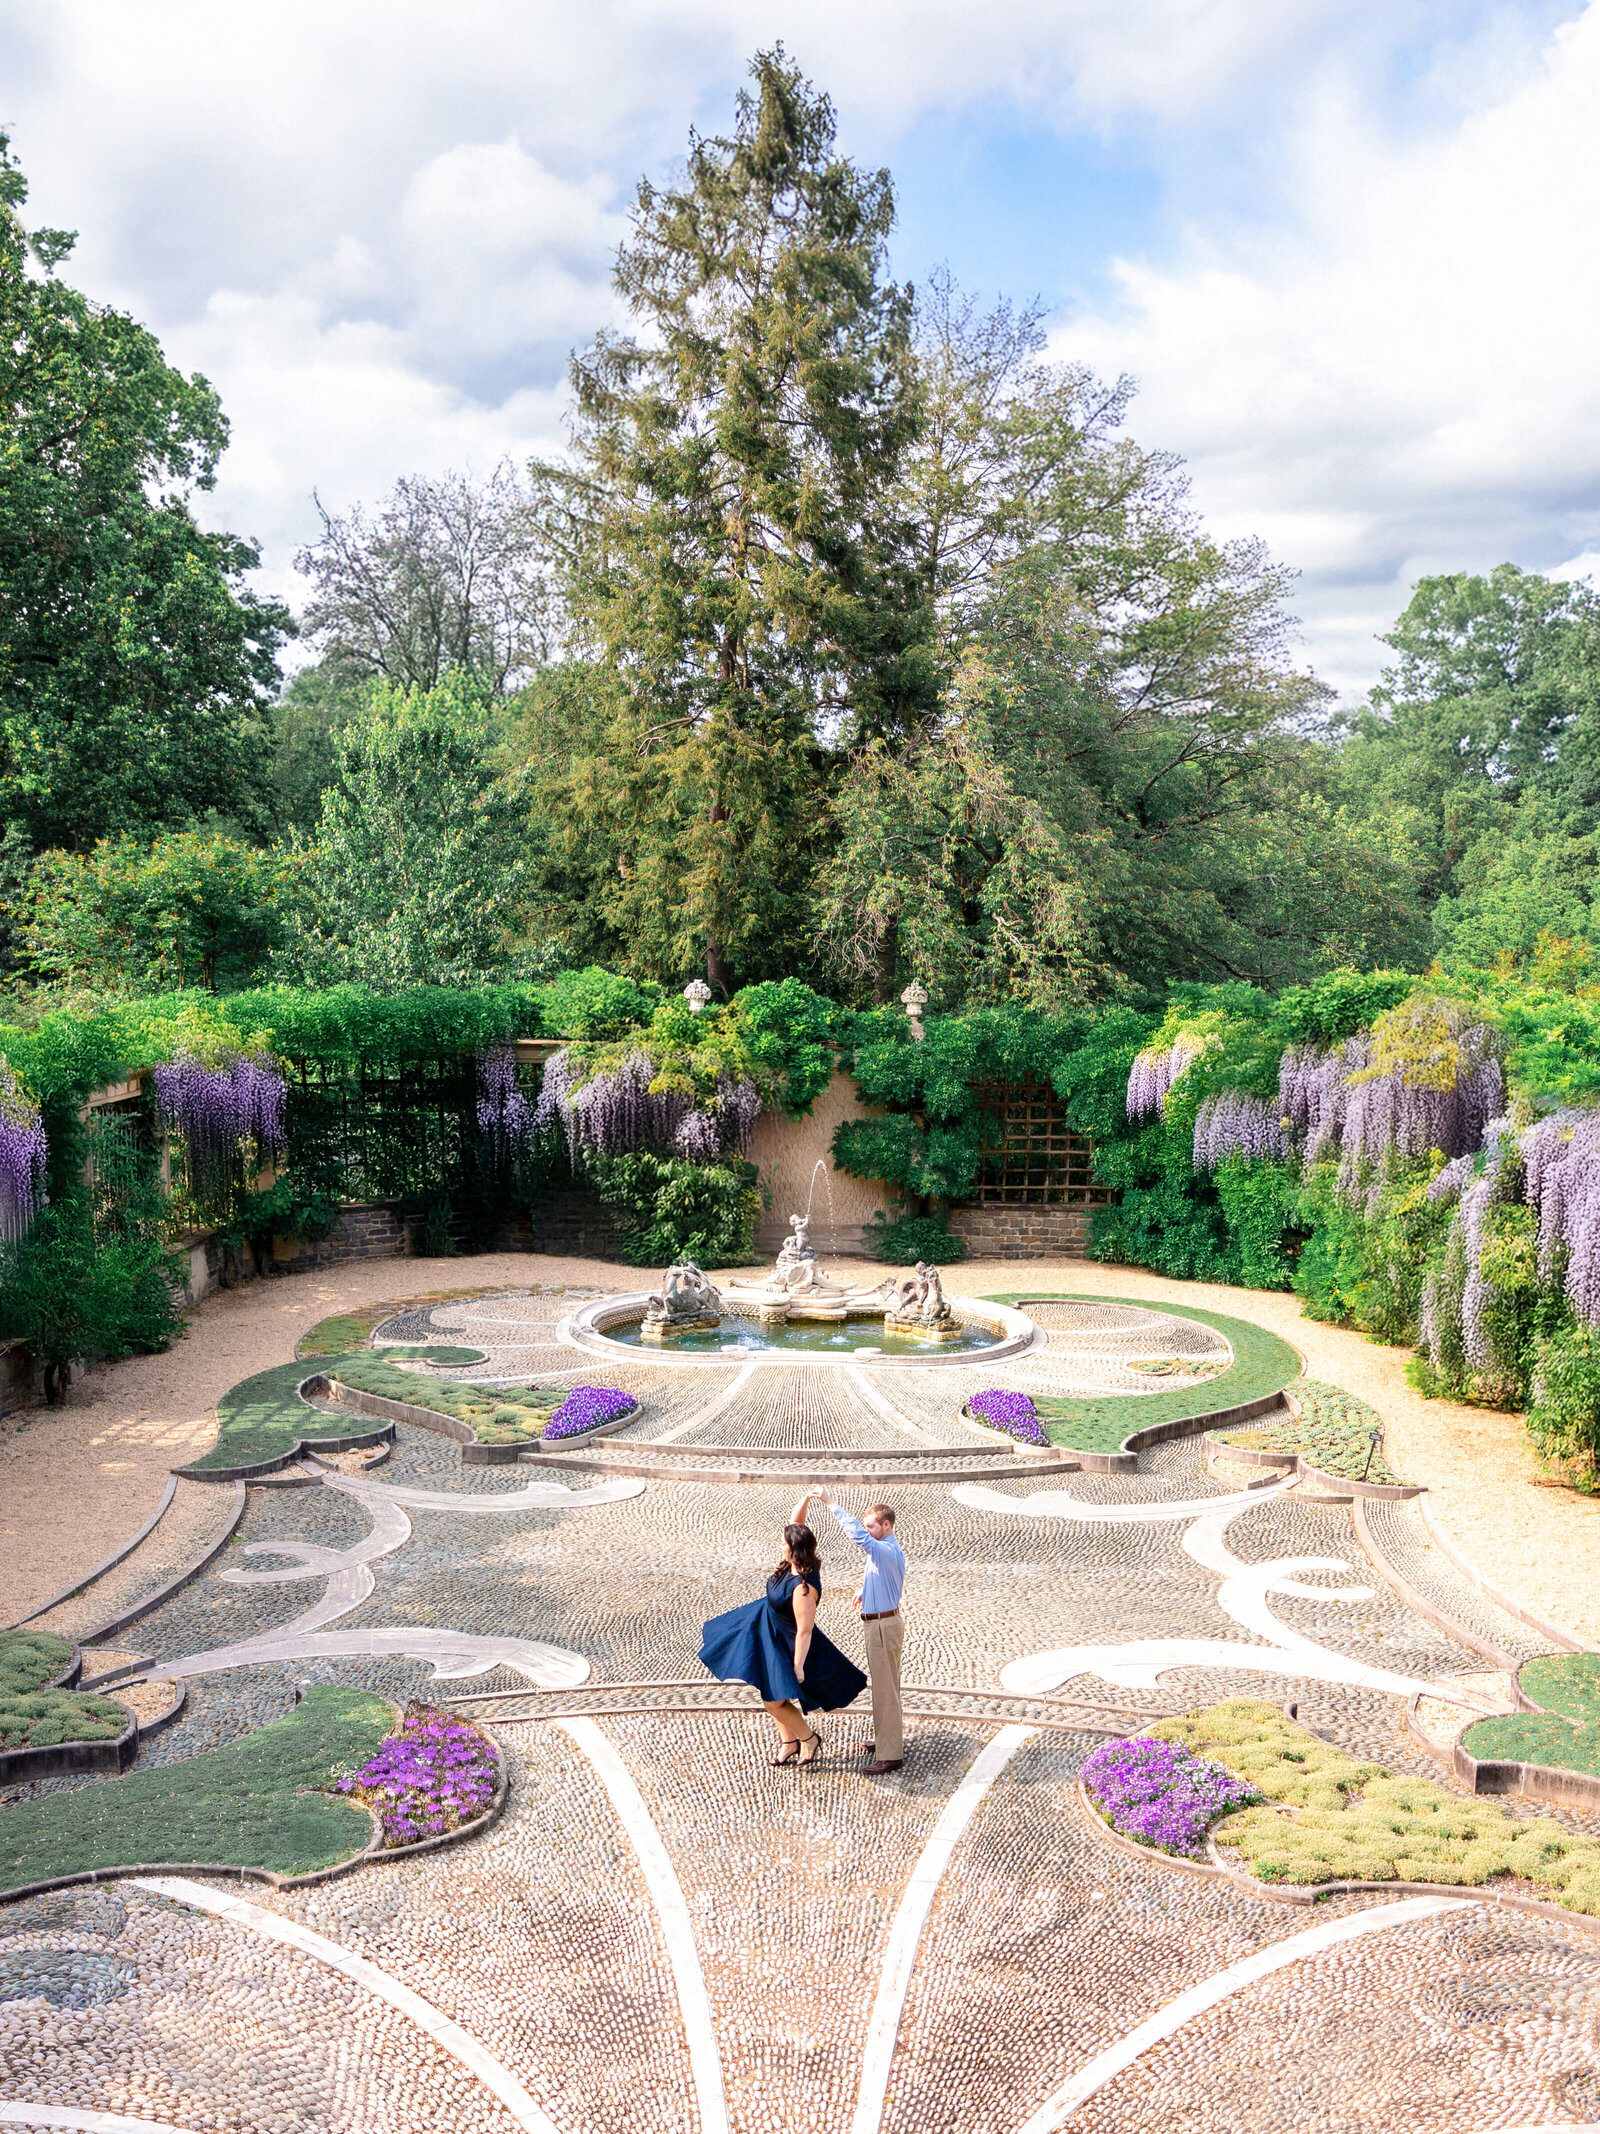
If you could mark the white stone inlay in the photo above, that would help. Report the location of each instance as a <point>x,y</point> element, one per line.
<point>862,1387</point>
<point>1062,1504</point>
<point>65,2115</point>
<point>672,1912</point>
<point>883,2025</point>
<point>495,2076</point>
<point>1059,2107</point>
<point>714,1406</point>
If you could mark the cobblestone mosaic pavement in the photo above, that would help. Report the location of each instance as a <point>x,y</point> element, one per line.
<point>663,1931</point>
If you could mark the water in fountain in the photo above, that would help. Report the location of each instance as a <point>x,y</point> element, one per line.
<point>827,1181</point>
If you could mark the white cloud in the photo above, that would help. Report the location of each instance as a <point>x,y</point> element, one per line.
<point>1397,374</point>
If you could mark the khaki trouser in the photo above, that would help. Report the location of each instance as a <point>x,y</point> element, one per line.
<point>884,1639</point>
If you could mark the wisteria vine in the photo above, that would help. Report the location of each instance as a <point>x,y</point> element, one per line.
<point>22,1155</point>
<point>217,1108</point>
<point>505,1116</point>
<point>1230,1123</point>
<point>1153,1074</point>
<point>621,1109</point>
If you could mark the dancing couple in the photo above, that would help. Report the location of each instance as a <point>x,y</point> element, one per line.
<point>774,1643</point>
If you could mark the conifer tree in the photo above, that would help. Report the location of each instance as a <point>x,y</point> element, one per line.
<point>726,534</point>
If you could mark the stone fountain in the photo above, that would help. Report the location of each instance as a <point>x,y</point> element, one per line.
<point>797,1288</point>
<point>686,1303</point>
<point>919,1307</point>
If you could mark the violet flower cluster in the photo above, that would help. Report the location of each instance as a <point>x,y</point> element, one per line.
<point>1153,1074</point>
<point>504,1114</point>
<point>433,1775</point>
<point>586,1408</point>
<point>1162,1793</point>
<point>1334,1103</point>
<point>216,1108</point>
<point>22,1156</point>
<point>612,1113</point>
<point>1011,1412</point>
<point>1233,1124</point>
<point>1561,1167</point>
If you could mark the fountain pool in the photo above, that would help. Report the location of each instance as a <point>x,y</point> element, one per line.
<point>744,1338</point>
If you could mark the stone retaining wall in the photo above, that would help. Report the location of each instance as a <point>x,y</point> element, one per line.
<point>369,1230</point>
<point>996,1230</point>
<point>576,1224</point>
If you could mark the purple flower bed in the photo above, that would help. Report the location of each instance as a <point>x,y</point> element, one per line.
<point>1162,1793</point>
<point>1012,1412</point>
<point>434,1775</point>
<point>585,1408</point>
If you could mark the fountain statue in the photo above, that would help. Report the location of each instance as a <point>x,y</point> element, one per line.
<point>795,1287</point>
<point>919,1307</point>
<point>686,1303</point>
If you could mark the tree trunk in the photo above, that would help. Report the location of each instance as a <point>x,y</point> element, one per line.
<point>888,960</point>
<point>718,976</point>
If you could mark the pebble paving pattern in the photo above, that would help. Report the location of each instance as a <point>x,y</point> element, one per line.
<point>541,1937</point>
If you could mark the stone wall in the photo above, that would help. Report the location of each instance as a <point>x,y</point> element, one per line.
<point>786,1152</point>
<point>1002,1230</point>
<point>365,1230</point>
<point>577,1223</point>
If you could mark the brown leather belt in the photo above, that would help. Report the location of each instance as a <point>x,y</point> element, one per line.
<point>880,1615</point>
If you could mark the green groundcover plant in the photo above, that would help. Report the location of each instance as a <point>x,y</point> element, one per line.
<point>1565,1735</point>
<point>34,1715</point>
<point>263,1418</point>
<point>1325,1817</point>
<point>266,1801</point>
<point>1333,1430</point>
<point>496,1415</point>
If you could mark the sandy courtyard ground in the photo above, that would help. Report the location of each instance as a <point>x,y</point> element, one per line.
<point>76,1483</point>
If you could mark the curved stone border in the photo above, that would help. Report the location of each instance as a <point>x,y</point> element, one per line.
<point>1344,1487</point>
<point>70,1759</point>
<point>110,1563</point>
<point>473,1454</point>
<point>1529,1782</point>
<point>1215,1869</point>
<point>1419,1603</point>
<point>585,1329</point>
<point>1126,1462</point>
<point>373,1850</point>
<point>152,1601</point>
<point>855,1470</point>
<point>316,1382</point>
<point>1541,1624</point>
<point>1005,1442</point>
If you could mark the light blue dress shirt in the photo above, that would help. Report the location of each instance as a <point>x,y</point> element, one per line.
<point>885,1580</point>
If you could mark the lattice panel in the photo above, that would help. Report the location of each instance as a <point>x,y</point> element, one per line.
<point>1030,1154</point>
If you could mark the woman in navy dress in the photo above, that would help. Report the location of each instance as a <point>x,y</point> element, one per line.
<point>774,1644</point>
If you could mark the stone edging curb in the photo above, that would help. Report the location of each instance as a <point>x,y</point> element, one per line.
<point>152,1601</point>
<point>1338,1488</point>
<point>1562,1639</point>
<point>1002,1439</point>
<point>373,1850</point>
<point>68,1759</point>
<point>1304,1893</point>
<point>1428,1610</point>
<point>1529,1782</point>
<point>80,1584</point>
<point>1126,1461</point>
<point>472,1453</point>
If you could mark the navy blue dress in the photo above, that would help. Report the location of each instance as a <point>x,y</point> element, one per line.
<point>756,1644</point>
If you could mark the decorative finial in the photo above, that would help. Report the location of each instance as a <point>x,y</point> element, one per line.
<point>914,999</point>
<point>698,994</point>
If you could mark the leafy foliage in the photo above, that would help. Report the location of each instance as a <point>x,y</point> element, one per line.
<point>669,1209</point>
<point>912,1238</point>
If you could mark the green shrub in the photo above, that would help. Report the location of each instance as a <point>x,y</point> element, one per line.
<point>1564,1419</point>
<point>669,1209</point>
<point>912,1238</point>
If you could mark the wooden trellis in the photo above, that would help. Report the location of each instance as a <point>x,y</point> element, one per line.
<point>1030,1155</point>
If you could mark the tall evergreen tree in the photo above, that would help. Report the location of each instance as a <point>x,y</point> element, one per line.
<point>728,533</point>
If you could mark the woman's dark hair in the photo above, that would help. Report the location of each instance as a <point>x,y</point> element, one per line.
<point>801,1545</point>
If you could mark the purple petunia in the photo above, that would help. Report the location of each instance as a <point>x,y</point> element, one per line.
<point>1162,1793</point>
<point>586,1408</point>
<point>433,1775</point>
<point>1011,1412</point>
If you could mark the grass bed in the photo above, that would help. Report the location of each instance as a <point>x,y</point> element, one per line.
<point>1565,1735</point>
<point>36,1716</point>
<point>1262,1364</point>
<point>1327,1818</point>
<point>263,1418</point>
<point>29,1659</point>
<point>496,1415</point>
<point>1332,1431</point>
<point>260,1802</point>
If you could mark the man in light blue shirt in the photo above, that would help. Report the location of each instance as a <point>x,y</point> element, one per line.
<point>882,1584</point>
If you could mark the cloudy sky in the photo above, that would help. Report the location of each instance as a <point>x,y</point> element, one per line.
<point>1347,247</point>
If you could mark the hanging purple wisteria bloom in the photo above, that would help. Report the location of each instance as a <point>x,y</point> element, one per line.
<point>697,1137</point>
<point>617,1111</point>
<point>738,1108</point>
<point>1153,1073</point>
<point>1561,1164</point>
<point>504,1114</point>
<point>217,1108</point>
<point>1312,1093</point>
<point>22,1156</point>
<point>1233,1124</point>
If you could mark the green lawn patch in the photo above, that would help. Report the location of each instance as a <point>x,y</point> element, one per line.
<point>496,1415</point>
<point>1333,1430</point>
<point>1565,1735</point>
<point>29,1659</point>
<point>1328,1818</point>
<point>263,1418</point>
<point>1262,1364</point>
<point>260,1802</point>
<point>354,1330</point>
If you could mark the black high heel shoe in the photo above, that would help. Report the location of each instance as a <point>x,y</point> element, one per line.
<point>814,1744</point>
